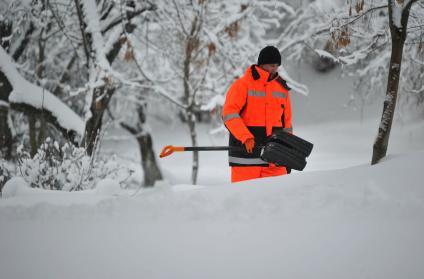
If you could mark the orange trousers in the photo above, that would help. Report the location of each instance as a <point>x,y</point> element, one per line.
<point>245,173</point>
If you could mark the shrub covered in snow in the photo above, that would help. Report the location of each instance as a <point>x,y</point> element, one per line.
<point>67,168</point>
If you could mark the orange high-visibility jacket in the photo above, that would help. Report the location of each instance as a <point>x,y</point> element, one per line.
<point>254,107</point>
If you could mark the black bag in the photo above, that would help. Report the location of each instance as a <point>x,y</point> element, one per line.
<point>292,141</point>
<point>284,149</point>
<point>282,155</point>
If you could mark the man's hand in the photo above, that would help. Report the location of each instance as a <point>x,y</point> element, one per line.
<point>249,144</point>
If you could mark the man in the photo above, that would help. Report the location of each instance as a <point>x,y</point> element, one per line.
<point>256,105</point>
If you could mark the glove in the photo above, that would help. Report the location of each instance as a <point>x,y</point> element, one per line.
<point>249,144</point>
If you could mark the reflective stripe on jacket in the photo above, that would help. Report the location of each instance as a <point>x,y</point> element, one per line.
<point>253,108</point>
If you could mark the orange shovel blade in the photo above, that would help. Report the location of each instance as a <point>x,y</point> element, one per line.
<point>169,149</point>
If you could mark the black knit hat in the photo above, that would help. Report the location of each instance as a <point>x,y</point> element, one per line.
<point>269,55</point>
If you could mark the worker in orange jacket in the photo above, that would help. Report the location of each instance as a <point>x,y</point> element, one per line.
<point>256,105</point>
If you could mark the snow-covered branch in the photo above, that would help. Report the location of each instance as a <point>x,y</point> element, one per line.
<point>91,18</point>
<point>26,95</point>
<point>353,19</point>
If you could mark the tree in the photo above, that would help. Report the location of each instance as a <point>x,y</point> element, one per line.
<point>99,59</point>
<point>398,22</point>
<point>82,40</point>
<point>369,41</point>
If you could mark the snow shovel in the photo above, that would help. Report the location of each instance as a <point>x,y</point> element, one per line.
<point>272,152</point>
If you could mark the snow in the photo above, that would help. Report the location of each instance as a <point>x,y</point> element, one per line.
<point>289,9</point>
<point>15,186</point>
<point>325,54</point>
<point>108,186</point>
<point>93,27</point>
<point>397,9</point>
<point>27,93</point>
<point>360,222</point>
<point>182,187</point>
<point>4,104</point>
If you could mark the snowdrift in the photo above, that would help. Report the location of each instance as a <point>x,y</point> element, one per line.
<point>359,222</point>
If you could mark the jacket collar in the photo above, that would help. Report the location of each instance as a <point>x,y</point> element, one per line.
<point>256,73</point>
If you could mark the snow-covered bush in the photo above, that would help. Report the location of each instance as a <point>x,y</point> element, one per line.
<point>67,168</point>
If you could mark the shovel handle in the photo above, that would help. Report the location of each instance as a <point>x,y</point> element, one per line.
<point>169,149</point>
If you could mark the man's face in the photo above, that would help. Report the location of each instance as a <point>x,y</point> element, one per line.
<point>270,68</point>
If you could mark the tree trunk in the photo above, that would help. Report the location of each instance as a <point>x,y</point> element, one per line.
<point>24,43</point>
<point>40,75</point>
<point>191,121</point>
<point>65,77</point>
<point>99,103</point>
<point>32,134</point>
<point>192,44</point>
<point>151,170</point>
<point>6,139</point>
<point>193,135</point>
<point>101,99</point>
<point>398,35</point>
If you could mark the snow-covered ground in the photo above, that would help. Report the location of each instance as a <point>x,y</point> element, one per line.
<point>359,222</point>
<point>340,218</point>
